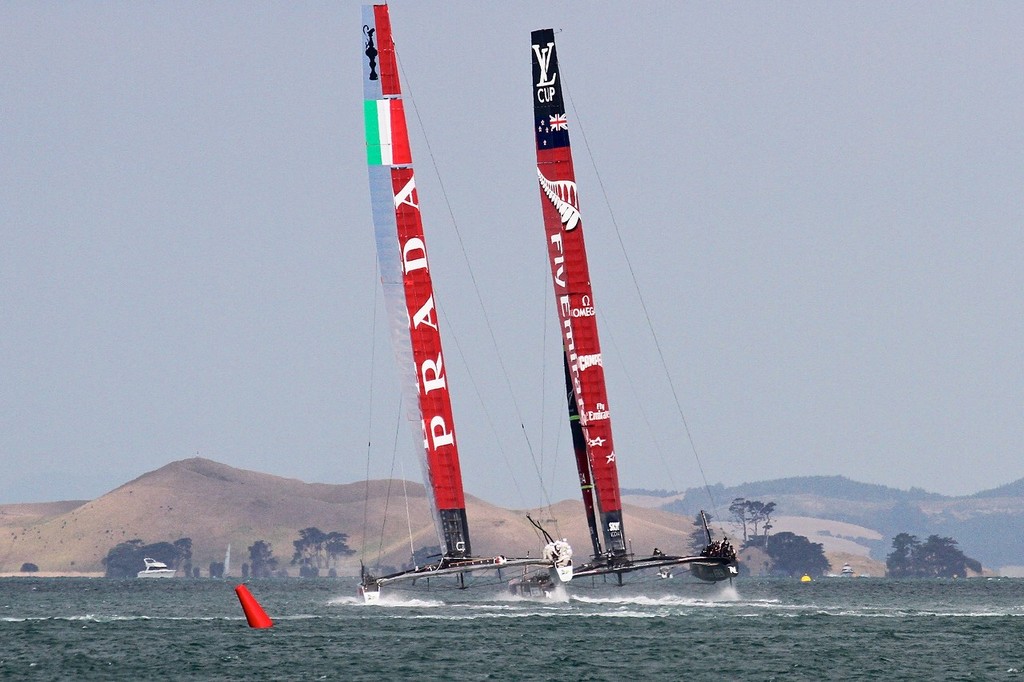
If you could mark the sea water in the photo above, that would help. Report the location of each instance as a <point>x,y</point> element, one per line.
<point>757,629</point>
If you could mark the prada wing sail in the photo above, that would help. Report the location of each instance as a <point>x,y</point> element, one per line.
<point>405,277</point>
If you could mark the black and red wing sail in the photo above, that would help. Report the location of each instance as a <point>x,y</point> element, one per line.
<point>574,299</point>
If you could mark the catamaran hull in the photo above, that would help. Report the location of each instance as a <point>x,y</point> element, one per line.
<point>713,572</point>
<point>370,588</point>
<point>700,567</point>
<point>541,584</point>
<point>369,593</point>
<point>531,589</point>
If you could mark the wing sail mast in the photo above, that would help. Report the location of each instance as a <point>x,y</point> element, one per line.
<point>574,300</point>
<point>405,277</point>
<point>589,415</point>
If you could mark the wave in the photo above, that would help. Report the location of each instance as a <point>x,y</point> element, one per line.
<point>638,600</point>
<point>390,601</point>
<point>903,614</point>
<point>727,598</point>
<point>571,614</point>
<point>94,618</point>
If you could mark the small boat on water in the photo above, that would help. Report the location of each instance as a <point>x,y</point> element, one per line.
<point>155,569</point>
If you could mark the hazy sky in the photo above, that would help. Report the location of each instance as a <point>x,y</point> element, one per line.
<point>821,202</point>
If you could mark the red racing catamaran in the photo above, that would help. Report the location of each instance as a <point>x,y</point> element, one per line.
<point>410,305</point>
<point>589,413</point>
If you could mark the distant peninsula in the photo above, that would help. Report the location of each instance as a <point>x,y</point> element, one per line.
<point>215,505</point>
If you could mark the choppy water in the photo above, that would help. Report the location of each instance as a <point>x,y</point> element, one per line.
<point>831,629</point>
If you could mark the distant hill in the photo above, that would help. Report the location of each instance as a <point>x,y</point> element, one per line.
<point>988,525</point>
<point>1015,489</point>
<point>215,504</point>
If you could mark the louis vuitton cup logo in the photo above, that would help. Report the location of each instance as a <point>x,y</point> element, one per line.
<point>546,82</point>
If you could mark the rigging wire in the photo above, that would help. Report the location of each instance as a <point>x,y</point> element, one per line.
<point>391,478</point>
<point>543,400</point>
<point>479,395</point>
<point>544,372</point>
<point>369,421</point>
<point>636,286</point>
<point>476,290</point>
<point>643,410</point>
<point>559,432</point>
<point>408,517</point>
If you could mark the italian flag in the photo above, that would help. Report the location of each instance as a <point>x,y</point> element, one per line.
<point>387,139</point>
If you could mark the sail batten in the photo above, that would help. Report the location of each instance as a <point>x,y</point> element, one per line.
<point>574,301</point>
<point>406,282</point>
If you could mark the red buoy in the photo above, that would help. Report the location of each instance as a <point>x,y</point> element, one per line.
<point>254,613</point>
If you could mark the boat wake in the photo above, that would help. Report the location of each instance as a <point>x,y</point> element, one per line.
<point>557,595</point>
<point>727,593</point>
<point>640,600</point>
<point>387,601</point>
<point>405,602</point>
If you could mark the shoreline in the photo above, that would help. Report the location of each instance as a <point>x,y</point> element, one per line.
<point>53,574</point>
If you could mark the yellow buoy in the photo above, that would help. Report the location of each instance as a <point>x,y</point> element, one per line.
<point>805,579</point>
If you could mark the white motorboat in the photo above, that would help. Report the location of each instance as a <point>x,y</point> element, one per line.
<point>155,569</point>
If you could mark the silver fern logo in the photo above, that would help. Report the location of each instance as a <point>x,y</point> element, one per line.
<point>562,195</point>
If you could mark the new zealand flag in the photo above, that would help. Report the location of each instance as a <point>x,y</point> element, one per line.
<point>552,131</point>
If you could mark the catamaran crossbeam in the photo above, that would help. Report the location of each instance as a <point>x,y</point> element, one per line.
<point>370,586</point>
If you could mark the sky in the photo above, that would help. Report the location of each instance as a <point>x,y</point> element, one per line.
<point>805,226</point>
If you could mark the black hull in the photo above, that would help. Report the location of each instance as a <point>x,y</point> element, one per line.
<point>704,568</point>
<point>537,585</point>
<point>454,567</point>
<point>713,572</point>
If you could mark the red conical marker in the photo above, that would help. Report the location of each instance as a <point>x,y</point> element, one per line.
<point>254,613</point>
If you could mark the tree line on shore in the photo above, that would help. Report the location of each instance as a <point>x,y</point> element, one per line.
<point>936,557</point>
<point>315,551</point>
<point>767,553</point>
<point>790,554</point>
<point>318,553</point>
